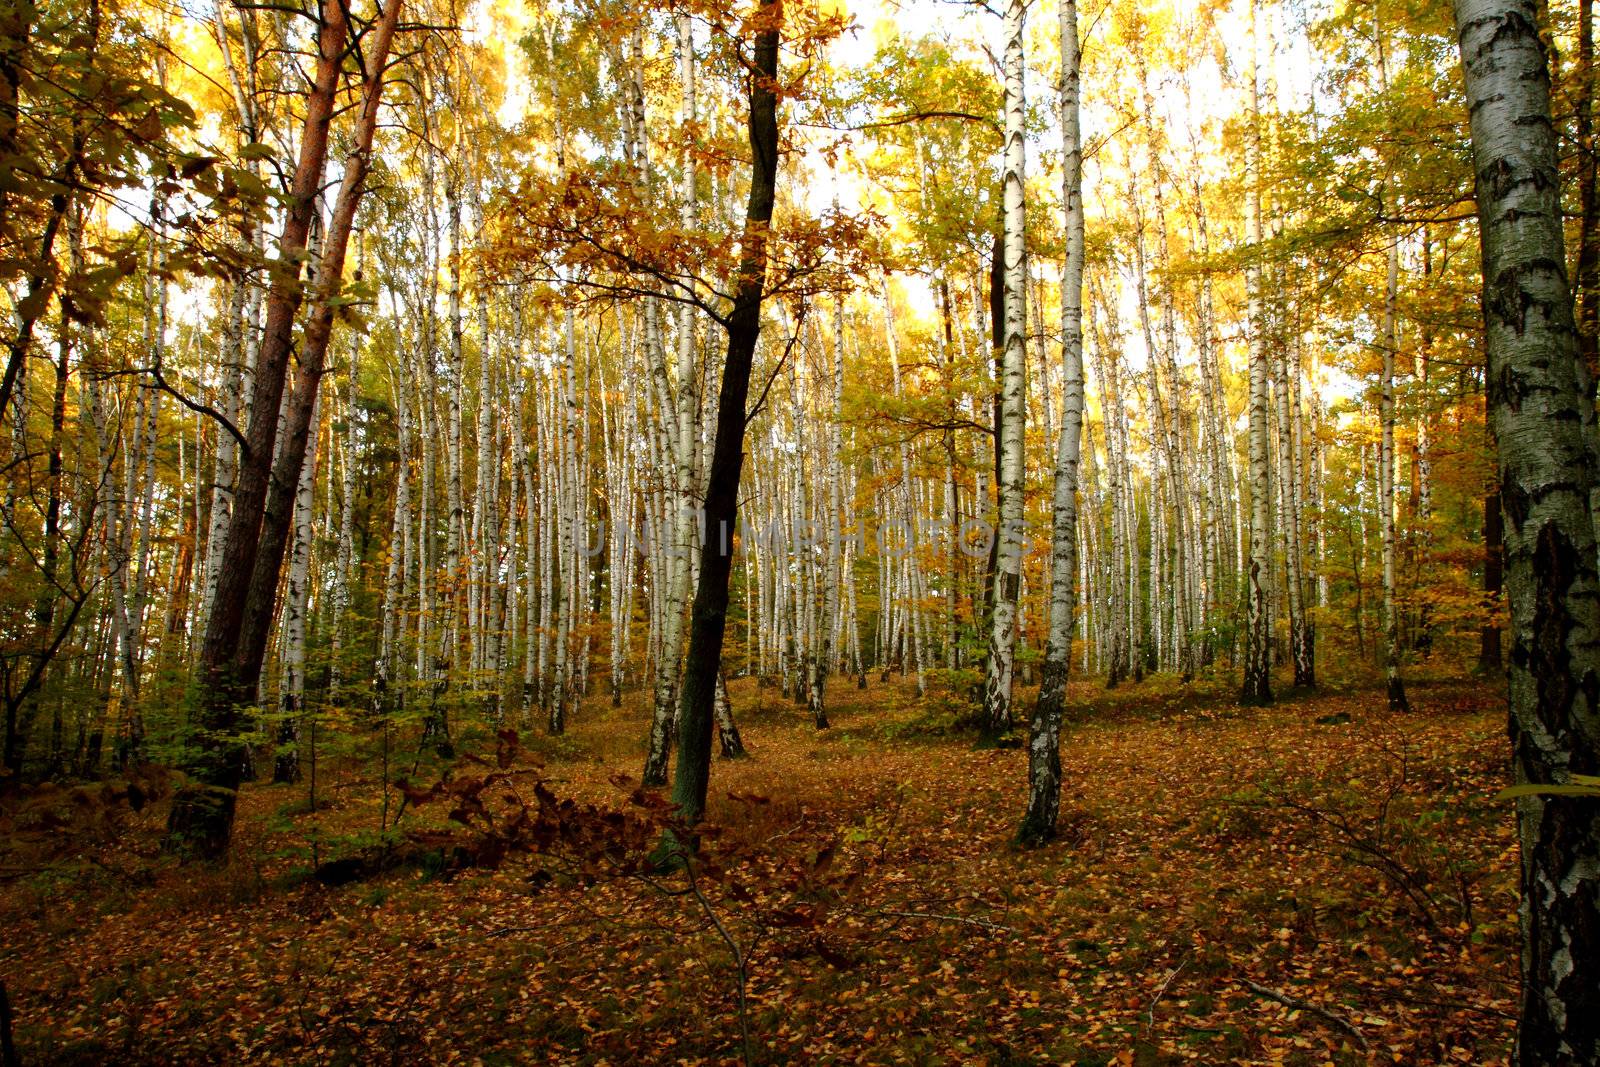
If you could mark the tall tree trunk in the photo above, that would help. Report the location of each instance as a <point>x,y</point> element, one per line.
<point>1293,510</point>
<point>997,713</point>
<point>455,539</point>
<point>1044,733</point>
<point>1386,457</point>
<point>1120,622</point>
<point>1257,686</point>
<point>830,499</point>
<point>296,601</point>
<point>344,553</point>
<point>709,618</point>
<point>912,528</point>
<point>569,510</point>
<point>201,820</point>
<point>1185,612</point>
<point>1386,489</point>
<point>1302,536</point>
<point>1541,410</point>
<point>395,572</point>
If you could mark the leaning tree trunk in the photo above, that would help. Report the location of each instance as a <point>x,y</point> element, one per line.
<point>299,420</point>
<point>201,820</point>
<point>1044,734</point>
<point>997,715</point>
<point>1543,419</point>
<point>709,619</point>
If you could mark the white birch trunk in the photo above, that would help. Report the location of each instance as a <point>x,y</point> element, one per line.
<point>1044,733</point>
<point>1539,396</point>
<point>296,603</point>
<point>997,712</point>
<point>1257,687</point>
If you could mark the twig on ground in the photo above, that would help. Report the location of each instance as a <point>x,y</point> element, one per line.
<point>550,950</point>
<point>1162,991</point>
<point>982,924</point>
<point>1331,1016</point>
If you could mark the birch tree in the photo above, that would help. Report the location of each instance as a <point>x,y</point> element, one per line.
<point>1541,410</point>
<point>1386,457</point>
<point>1386,487</point>
<point>1044,734</point>
<point>1257,687</point>
<point>1009,426</point>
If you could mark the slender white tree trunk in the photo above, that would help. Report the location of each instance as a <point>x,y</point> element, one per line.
<point>1257,686</point>
<point>296,603</point>
<point>1386,486</point>
<point>997,712</point>
<point>569,523</point>
<point>1044,734</point>
<point>1386,453</point>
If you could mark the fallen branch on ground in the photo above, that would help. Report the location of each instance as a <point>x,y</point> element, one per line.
<point>1161,992</point>
<point>983,924</point>
<point>1331,1016</point>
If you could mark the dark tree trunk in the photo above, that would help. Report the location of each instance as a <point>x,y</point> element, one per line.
<point>278,521</point>
<point>201,822</point>
<point>8,1046</point>
<point>708,619</point>
<point>45,607</point>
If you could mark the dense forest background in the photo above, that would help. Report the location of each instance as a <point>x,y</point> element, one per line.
<point>523,359</point>
<point>369,387</point>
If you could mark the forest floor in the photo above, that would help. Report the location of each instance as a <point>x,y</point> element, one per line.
<point>1315,882</point>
